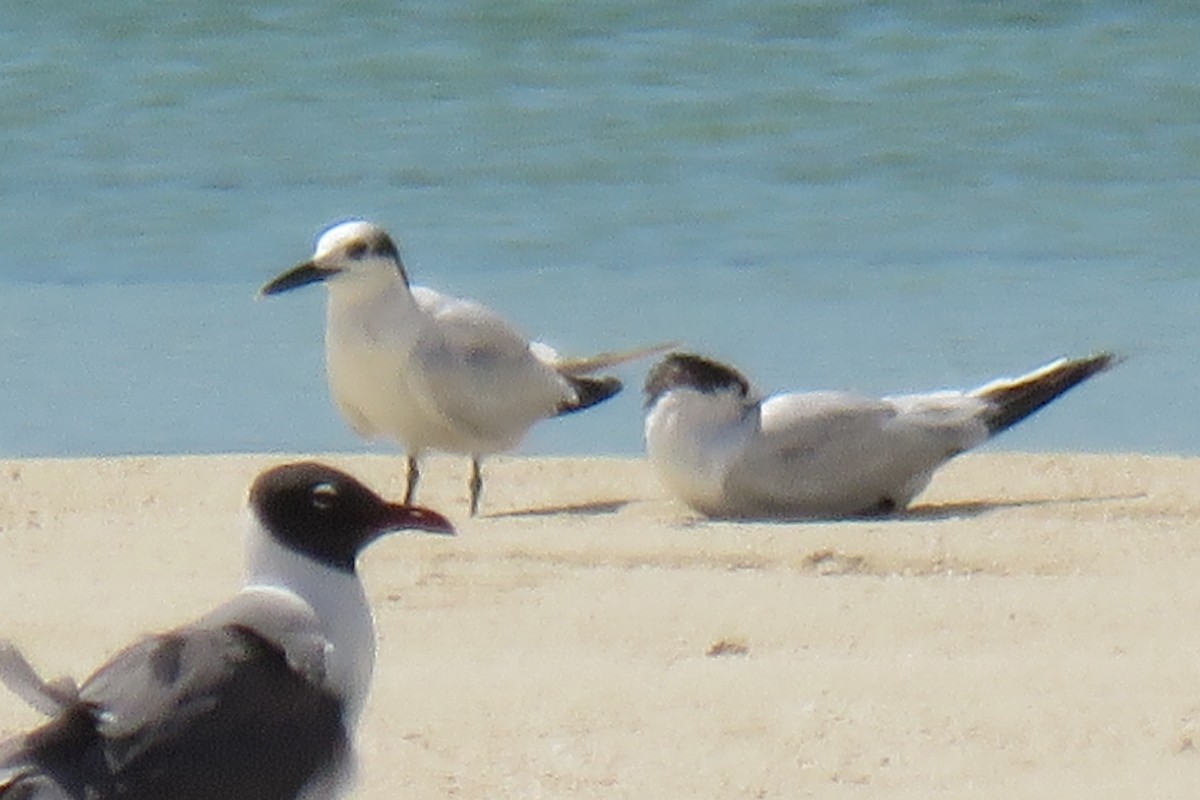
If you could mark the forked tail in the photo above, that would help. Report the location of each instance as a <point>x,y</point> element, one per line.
<point>1014,399</point>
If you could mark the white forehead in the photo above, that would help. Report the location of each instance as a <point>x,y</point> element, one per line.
<point>343,233</point>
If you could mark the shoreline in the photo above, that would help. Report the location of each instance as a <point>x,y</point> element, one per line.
<point>1026,627</point>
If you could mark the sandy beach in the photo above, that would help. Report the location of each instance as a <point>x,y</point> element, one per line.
<point>1028,629</point>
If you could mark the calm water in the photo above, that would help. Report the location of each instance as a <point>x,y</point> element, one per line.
<point>877,196</point>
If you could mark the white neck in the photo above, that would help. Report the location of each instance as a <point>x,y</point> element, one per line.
<point>378,293</point>
<point>693,437</point>
<point>339,602</point>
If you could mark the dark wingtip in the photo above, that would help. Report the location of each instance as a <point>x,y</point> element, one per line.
<point>590,392</point>
<point>1013,401</point>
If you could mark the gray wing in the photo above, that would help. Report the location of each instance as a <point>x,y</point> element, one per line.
<point>832,453</point>
<point>198,714</point>
<point>479,373</point>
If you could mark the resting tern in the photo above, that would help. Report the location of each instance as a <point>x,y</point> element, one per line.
<point>728,452</point>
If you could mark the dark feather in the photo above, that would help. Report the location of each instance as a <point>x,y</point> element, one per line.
<point>589,392</point>
<point>199,714</point>
<point>1013,402</point>
<point>693,372</point>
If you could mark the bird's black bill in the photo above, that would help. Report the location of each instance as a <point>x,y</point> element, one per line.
<point>298,276</point>
<point>402,517</point>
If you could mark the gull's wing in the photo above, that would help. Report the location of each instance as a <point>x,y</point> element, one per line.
<point>833,453</point>
<point>478,372</point>
<point>193,714</point>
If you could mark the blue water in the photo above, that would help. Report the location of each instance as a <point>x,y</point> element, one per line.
<point>872,196</point>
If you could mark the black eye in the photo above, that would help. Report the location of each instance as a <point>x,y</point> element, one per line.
<point>324,496</point>
<point>357,250</point>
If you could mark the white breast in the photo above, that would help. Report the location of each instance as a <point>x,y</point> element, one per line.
<point>693,438</point>
<point>338,600</point>
<point>369,339</point>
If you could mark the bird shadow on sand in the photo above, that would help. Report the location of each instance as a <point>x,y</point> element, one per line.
<point>932,512</point>
<point>975,508</point>
<point>593,508</point>
<point>965,509</point>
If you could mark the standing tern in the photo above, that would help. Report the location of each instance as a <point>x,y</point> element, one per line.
<point>430,371</point>
<point>257,700</point>
<point>727,452</point>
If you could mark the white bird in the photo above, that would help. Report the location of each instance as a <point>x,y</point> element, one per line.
<point>727,452</point>
<point>257,700</point>
<point>430,371</point>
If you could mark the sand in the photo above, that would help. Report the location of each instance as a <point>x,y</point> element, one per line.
<point>1030,629</point>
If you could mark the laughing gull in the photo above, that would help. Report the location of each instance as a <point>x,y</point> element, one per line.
<point>727,452</point>
<point>257,700</point>
<point>430,371</point>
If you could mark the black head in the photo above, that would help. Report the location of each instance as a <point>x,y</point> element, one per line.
<point>328,515</point>
<point>693,372</point>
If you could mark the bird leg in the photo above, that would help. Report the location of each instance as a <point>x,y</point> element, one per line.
<point>476,485</point>
<point>414,475</point>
